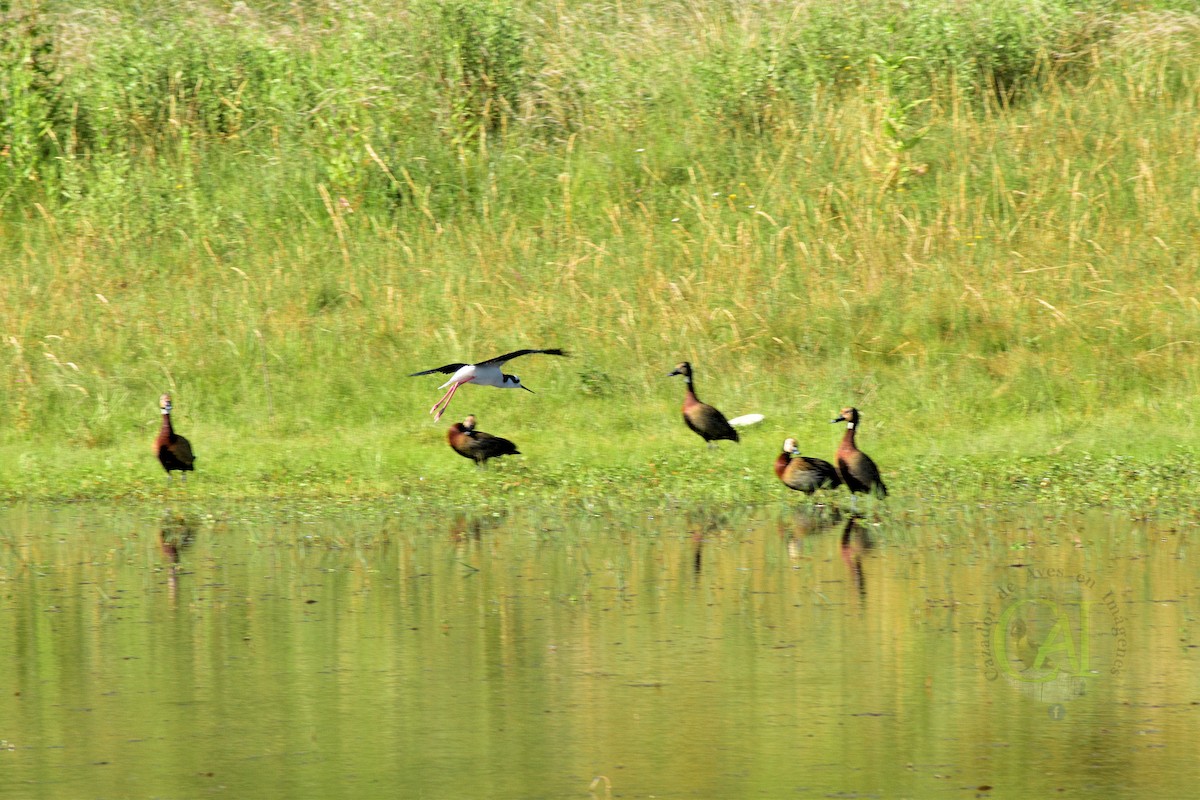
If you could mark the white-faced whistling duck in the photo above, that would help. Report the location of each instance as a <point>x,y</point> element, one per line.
<point>804,473</point>
<point>701,417</point>
<point>855,467</point>
<point>485,373</point>
<point>477,445</point>
<point>174,452</point>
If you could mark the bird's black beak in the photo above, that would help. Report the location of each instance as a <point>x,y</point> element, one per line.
<point>835,421</point>
<point>526,388</point>
<point>674,372</point>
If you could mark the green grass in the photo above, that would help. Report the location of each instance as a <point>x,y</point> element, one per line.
<point>979,228</point>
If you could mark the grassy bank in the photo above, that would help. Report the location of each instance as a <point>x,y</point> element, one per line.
<point>979,228</point>
<point>406,464</point>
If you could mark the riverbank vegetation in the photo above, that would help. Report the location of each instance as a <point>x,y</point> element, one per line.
<point>975,222</point>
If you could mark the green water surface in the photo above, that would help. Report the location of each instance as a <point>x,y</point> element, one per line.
<point>767,654</point>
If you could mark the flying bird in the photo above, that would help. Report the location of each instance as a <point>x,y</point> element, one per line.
<point>484,373</point>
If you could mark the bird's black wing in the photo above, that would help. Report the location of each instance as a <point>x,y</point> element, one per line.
<point>494,446</point>
<point>449,369</point>
<point>498,360</point>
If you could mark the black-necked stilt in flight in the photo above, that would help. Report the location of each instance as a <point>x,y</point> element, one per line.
<point>485,373</point>
<point>476,445</point>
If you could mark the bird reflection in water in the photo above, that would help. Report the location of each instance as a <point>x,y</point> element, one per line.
<point>804,523</point>
<point>176,534</point>
<point>704,526</point>
<point>471,527</point>
<point>853,548</point>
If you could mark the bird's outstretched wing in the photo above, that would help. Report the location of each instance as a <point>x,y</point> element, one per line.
<point>449,369</point>
<point>498,360</point>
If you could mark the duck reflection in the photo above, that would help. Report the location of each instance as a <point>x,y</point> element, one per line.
<point>803,524</point>
<point>463,528</point>
<point>469,527</point>
<point>703,527</point>
<point>175,535</point>
<point>853,546</point>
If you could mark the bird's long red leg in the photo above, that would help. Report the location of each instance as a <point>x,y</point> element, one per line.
<point>449,392</point>
<point>445,401</point>
<point>444,405</point>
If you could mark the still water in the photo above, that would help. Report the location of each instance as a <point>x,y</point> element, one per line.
<point>769,654</point>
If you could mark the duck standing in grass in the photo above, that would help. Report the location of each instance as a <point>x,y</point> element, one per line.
<point>174,452</point>
<point>855,467</point>
<point>476,445</point>
<point>702,418</point>
<point>804,473</point>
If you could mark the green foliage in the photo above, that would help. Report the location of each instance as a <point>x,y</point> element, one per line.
<point>914,49</point>
<point>749,87</point>
<point>31,117</point>
<point>480,54</point>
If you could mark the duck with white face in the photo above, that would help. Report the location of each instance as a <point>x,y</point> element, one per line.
<point>174,451</point>
<point>804,473</point>
<point>855,467</point>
